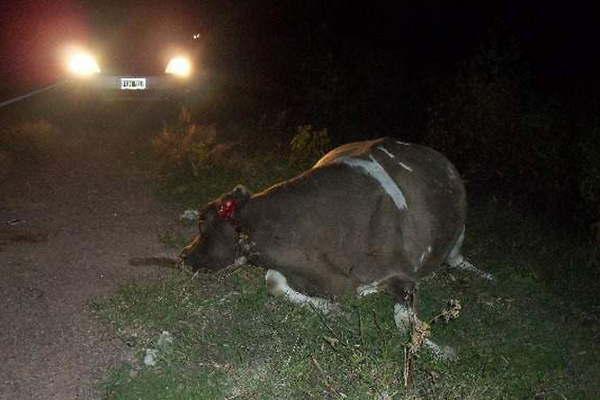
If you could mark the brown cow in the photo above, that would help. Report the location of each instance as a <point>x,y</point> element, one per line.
<point>369,216</point>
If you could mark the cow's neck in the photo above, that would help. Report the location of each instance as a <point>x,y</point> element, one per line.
<point>264,219</point>
<point>249,228</point>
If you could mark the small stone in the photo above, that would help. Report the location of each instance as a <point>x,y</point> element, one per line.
<point>189,216</point>
<point>240,261</point>
<point>385,396</point>
<point>150,357</point>
<point>165,339</point>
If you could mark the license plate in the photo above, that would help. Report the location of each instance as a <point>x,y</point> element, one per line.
<point>133,83</point>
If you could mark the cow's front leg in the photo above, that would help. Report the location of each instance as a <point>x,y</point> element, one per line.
<point>399,288</point>
<point>405,310</point>
<point>277,286</point>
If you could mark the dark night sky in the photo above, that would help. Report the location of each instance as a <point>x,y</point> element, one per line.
<point>559,41</point>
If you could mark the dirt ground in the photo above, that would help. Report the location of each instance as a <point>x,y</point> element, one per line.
<point>67,230</point>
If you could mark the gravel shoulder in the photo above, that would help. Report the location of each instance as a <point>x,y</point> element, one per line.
<point>67,230</point>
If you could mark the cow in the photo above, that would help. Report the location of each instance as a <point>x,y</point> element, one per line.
<point>369,216</point>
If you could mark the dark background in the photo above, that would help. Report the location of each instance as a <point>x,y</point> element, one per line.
<point>262,39</point>
<point>507,91</point>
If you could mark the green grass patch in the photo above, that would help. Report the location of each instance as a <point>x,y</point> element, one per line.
<point>514,339</point>
<point>529,335</point>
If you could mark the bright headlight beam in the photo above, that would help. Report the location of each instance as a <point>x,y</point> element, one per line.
<point>179,66</point>
<point>82,64</point>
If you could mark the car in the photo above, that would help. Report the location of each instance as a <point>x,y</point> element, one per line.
<point>134,69</point>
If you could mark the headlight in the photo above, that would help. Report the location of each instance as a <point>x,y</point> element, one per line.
<point>82,64</point>
<point>179,66</point>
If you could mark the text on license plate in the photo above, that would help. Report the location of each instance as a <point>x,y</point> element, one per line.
<point>133,83</point>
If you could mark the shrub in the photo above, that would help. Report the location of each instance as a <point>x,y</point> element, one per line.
<point>308,145</point>
<point>185,146</point>
<point>539,160</point>
<point>502,139</point>
<point>475,118</point>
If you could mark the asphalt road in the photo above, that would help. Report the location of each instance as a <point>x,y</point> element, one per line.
<point>68,227</point>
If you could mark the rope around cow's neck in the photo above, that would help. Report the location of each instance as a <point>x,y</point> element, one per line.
<point>245,250</point>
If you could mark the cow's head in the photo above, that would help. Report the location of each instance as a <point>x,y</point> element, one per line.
<point>215,245</point>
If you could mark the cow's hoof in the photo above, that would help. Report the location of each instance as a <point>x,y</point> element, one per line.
<point>276,283</point>
<point>466,265</point>
<point>402,317</point>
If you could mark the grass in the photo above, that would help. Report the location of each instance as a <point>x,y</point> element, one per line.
<point>514,339</point>
<point>530,335</point>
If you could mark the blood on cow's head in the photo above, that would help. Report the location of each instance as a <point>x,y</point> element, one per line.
<point>214,247</point>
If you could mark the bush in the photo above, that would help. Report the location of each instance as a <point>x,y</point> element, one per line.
<point>542,153</point>
<point>201,161</point>
<point>500,137</point>
<point>475,118</point>
<point>308,145</point>
<point>186,146</point>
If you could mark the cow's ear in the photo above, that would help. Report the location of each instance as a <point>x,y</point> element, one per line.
<point>241,194</point>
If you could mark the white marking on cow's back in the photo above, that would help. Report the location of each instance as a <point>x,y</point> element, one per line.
<point>406,167</point>
<point>402,143</point>
<point>375,170</point>
<point>390,155</point>
<point>278,286</point>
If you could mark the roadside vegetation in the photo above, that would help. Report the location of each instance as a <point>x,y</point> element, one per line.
<point>530,335</point>
<point>514,339</point>
<point>196,162</point>
<point>532,223</point>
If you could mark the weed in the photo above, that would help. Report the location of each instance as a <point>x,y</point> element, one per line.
<point>186,146</point>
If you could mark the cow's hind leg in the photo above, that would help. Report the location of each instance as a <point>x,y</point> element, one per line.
<point>401,289</point>
<point>405,297</point>
<point>456,260</point>
<point>277,286</point>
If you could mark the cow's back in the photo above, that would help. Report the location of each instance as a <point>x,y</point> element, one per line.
<point>429,204</point>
